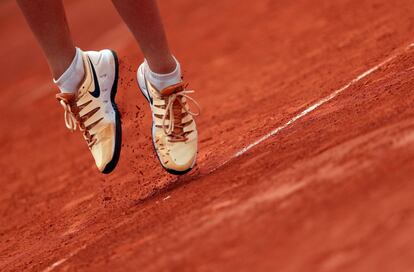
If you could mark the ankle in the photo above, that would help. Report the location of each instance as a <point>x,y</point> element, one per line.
<point>162,66</point>
<point>163,80</point>
<point>71,77</point>
<point>61,63</point>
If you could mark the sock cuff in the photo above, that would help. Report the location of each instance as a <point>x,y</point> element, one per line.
<point>157,76</point>
<point>65,76</point>
<point>69,81</point>
<point>162,81</point>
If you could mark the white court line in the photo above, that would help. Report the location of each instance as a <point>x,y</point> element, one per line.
<point>62,261</point>
<point>311,108</point>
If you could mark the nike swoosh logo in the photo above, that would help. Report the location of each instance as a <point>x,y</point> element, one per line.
<point>97,92</point>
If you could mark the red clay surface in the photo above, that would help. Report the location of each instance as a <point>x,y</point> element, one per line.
<point>331,192</point>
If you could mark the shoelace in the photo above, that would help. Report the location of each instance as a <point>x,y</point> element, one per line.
<point>72,122</point>
<point>169,110</point>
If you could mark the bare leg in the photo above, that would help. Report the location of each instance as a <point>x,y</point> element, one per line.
<point>47,19</point>
<point>144,21</point>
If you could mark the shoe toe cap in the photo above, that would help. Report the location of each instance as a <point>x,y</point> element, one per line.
<point>103,149</point>
<point>181,156</point>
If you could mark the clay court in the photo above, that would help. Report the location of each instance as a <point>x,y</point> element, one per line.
<point>306,158</point>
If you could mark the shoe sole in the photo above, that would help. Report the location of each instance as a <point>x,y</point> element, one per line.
<point>171,171</point>
<point>118,128</point>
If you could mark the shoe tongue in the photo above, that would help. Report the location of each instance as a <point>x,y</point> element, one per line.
<point>70,97</point>
<point>173,89</point>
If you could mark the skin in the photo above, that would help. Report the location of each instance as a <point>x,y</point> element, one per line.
<point>144,20</point>
<point>47,20</point>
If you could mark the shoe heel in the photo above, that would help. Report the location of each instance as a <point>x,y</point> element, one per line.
<point>142,86</point>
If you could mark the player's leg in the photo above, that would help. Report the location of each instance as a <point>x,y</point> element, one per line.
<point>87,80</point>
<point>47,20</point>
<point>144,21</point>
<point>174,131</point>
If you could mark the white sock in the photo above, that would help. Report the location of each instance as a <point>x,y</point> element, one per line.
<point>162,81</point>
<point>70,80</point>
